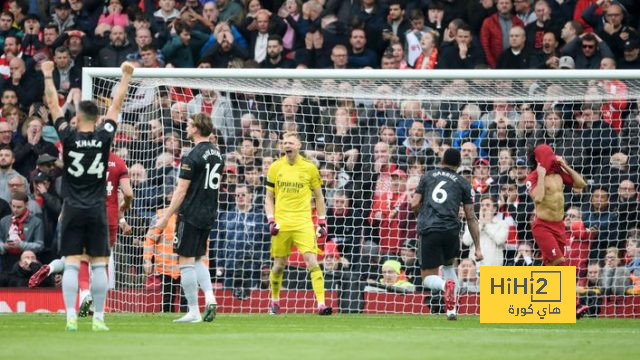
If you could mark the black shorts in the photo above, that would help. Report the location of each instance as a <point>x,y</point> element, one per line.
<point>438,248</point>
<point>190,241</point>
<point>84,231</point>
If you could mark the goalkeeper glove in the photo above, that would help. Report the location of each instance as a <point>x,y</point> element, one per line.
<point>273,227</point>
<point>322,228</point>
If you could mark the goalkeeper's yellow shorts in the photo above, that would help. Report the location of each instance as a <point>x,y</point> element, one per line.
<point>303,239</point>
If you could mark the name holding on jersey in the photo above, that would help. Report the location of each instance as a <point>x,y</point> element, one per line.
<point>450,175</point>
<point>93,143</point>
<point>210,152</point>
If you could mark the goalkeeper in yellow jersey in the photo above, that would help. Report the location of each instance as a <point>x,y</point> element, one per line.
<point>291,181</point>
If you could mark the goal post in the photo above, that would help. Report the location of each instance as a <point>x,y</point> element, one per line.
<point>372,133</point>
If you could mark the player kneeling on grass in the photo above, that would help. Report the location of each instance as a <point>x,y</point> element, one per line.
<point>84,227</point>
<point>438,198</point>
<point>291,180</point>
<point>196,201</point>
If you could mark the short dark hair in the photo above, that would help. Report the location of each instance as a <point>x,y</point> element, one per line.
<point>89,109</point>
<point>20,196</point>
<point>416,14</point>
<point>148,47</point>
<point>52,26</point>
<point>18,41</point>
<point>181,26</point>
<point>589,37</point>
<point>62,49</point>
<point>465,27</point>
<point>9,14</point>
<point>451,157</point>
<point>397,2</point>
<point>277,38</point>
<point>203,123</point>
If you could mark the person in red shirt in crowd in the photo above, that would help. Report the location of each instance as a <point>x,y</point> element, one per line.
<point>491,32</point>
<point>577,251</point>
<point>612,110</point>
<point>384,213</point>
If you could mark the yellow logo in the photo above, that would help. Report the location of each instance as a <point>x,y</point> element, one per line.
<point>528,294</point>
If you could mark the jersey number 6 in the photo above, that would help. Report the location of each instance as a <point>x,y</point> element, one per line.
<point>439,195</point>
<point>212,180</point>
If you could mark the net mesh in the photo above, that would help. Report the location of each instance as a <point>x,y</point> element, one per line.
<point>372,140</point>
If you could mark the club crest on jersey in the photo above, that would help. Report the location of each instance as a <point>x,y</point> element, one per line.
<point>108,127</point>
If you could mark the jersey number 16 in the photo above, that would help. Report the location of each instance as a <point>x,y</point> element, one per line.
<point>212,177</point>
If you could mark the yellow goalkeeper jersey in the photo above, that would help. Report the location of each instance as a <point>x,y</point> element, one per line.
<point>293,187</point>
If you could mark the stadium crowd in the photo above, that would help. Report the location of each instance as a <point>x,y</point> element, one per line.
<point>370,153</point>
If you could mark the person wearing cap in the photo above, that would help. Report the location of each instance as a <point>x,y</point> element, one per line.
<point>31,39</point>
<point>28,151</point>
<point>631,58</point>
<point>587,50</point>
<point>409,260</point>
<point>521,172</point>
<point>566,62</point>
<point>393,278</point>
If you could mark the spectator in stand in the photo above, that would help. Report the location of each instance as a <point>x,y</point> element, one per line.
<point>275,58</point>
<point>143,39</point>
<point>545,22</point>
<point>596,140</point>
<point>548,57</point>
<point>218,107</point>
<point>608,25</point>
<point>627,207</point>
<point>602,222</point>
<point>257,30</point>
<point>225,50</point>
<point>517,56</point>
<point>114,15</point>
<point>428,58</point>
<point>590,289</point>
<point>495,30</point>
<point>393,279</point>
<point>345,224</point>
<point>482,182</point>
<point>150,57</point>
<point>514,216</point>
<point>359,55</point>
<point>27,152</point>
<point>632,254</point>
<point>493,235</point>
<point>165,15</point>
<point>570,31</point>
<point>501,135</point>
<point>397,24</point>
<point>416,144</point>
<point>469,154</point>
<point>524,11</point>
<point>243,233</point>
<point>577,251</point>
<point>587,50</point>
<point>409,261</point>
<point>463,53</point>
<point>66,76</point>
<point>229,10</point>
<point>116,52</point>
<point>28,84</point>
<point>6,20</point>
<point>631,58</point>
<point>20,231</point>
<point>384,214</point>
<point>62,16</point>
<point>503,163</point>
<point>615,277</point>
<point>468,280</point>
<point>524,257</point>
<point>469,128</point>
<point>183,48</point>
<point>51,204</point>
<point>18,276</point>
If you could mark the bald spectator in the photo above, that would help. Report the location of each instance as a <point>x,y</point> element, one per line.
<point>544,23</point>
<point>257,30</point>
<point>494,34</point>
<point>627,207</point>
<point>28,84</point>
<point>359,55</point>
<point>517,56</point>
<point>548,57</point>
<point>142,39</point>
<point>339,57</point>
<point>609,25</point>
<point>114,54</point>
<point>468,153</point>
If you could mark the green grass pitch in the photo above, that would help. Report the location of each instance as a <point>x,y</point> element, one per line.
<point>353,337</point>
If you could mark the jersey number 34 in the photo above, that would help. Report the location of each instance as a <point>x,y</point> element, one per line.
<point>77,169</point>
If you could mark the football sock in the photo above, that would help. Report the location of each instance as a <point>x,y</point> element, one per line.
<point>83,276</point>
<point>317,282</point>
<point>111,272</point>
<point>99,287</point>
<point>56,266</point>
<point>449,272</point>
<point>189,283</point>
<point>276,283</point>
<point>204,280</point>
<point>433,282</point>
<point>70,288</point>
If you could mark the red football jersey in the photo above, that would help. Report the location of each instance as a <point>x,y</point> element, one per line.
<point>116,170</point>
